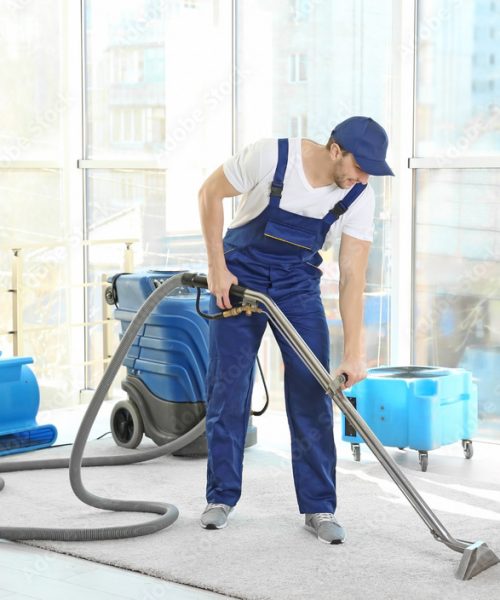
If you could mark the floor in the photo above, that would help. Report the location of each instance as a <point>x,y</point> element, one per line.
<point>28,573</point>
<point>31,573</point>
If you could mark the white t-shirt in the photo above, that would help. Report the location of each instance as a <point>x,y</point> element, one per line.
<point>251,173</point>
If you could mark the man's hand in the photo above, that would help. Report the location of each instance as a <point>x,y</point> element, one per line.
<point>354,368</point>
<point>219,281</point>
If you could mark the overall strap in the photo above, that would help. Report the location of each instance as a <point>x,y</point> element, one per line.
<point>279,174</point>
<point>341,206</point>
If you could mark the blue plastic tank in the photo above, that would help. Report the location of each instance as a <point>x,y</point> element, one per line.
<point>170,353</point>
<point>421,408</point>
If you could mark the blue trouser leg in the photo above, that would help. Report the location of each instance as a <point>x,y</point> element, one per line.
<point>234,343</point>
<point>309,409</point>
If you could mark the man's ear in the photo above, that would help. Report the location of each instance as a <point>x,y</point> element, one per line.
<point>335,151</point>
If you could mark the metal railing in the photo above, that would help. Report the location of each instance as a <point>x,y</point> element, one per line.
<point>18,289</point>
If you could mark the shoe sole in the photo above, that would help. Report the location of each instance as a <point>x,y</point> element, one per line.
<point>333,542</point>
<point>212,526</point>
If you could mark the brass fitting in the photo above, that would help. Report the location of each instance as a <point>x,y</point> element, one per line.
<point>248,309</point>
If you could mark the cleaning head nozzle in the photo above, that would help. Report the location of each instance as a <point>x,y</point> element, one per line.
<point>476,558</point>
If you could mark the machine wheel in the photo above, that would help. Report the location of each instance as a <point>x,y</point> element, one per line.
<point>109,295</point>
<point>468,449</point>
<point>127,427</point>
<point>356,452</point>
<point>423,459</point>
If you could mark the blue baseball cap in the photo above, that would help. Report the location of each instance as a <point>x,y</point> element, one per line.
<point>367,141</point>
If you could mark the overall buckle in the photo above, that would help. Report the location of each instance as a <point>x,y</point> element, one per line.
<point>276,190</point>
<point>339,209</point>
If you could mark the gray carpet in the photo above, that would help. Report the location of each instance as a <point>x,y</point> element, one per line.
<point>266,553</point>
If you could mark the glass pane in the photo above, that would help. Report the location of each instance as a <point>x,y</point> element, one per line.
<point>457,280</point>
<point>151,93</point>
<point>308,89</point>
<point>347,71</point>
<point>31,211</point>
<point>458,88</point>
<point>35,218</point>
<point>32,100</point>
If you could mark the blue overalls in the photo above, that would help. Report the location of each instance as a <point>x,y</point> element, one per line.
<point>275,253</point>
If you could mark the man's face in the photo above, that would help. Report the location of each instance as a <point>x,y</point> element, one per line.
<point>346,171</point>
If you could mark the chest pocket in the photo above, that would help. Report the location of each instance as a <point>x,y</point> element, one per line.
<point>293,235</point>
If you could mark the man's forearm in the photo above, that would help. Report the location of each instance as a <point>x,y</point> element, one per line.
<point>210,197</point>
<point>212,224</point>
<point>351,311</point>
<point>215,188</point>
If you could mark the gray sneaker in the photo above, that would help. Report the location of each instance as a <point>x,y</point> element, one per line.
<point>326,527</point>
<point>215,516</point>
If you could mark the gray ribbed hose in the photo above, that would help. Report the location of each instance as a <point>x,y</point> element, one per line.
<point>168,512</point>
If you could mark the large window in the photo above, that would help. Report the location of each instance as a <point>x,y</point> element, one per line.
<point>156,99</point>
<point>36,217</point>
<point>457,243</point>
<point>160,92</point>
<point>458,268</point>
<point>458,85</point>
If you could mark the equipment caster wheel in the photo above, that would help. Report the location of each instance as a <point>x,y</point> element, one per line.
<point>423,459</point>
<point>356,452</point>
<point>127,427</point>
<point>468,449</point>
<point>109,296</point>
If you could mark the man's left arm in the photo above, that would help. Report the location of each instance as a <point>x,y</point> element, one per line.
<point>353,261</point>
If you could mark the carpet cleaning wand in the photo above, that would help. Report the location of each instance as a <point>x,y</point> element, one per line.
<point>476,556</point>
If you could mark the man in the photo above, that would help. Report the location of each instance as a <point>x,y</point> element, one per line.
<point>297,195</point>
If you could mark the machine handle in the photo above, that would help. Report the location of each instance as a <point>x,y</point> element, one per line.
<point>200,281</point>
<point>341,380</point>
